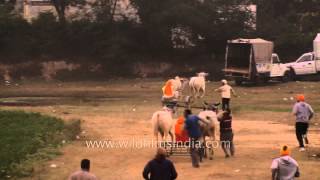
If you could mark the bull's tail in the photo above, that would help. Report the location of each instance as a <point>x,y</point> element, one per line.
<point>156,126</point>
<point>155,122</point>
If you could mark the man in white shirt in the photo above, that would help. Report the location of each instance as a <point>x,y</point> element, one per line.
<point>84,173</point>
<point>284,167</point>
<point>225,91</point>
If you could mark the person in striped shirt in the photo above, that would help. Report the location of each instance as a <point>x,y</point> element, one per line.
<point>226,133</point>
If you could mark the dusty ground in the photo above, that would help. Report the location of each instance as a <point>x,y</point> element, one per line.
<point>122,110</point>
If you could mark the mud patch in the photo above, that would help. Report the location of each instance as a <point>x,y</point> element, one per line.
<point>48,101</point>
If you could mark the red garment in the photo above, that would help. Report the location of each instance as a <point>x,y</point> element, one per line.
<point>180,132</point>
<point>168,89</point>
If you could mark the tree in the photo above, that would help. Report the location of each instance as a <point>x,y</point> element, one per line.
<point>211,22</point>
<point>103,11</point>
<point>291,24</point>
<point>62,5</point>
<point>6,8</point>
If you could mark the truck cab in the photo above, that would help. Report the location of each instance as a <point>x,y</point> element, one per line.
<point>274,68</point>
<point>277,68</point>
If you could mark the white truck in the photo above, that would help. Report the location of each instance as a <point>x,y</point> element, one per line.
<point>307,63</point>
<point>253,60</point>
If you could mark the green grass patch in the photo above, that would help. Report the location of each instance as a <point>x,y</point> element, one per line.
<point>267,108</point>
<point>26,139</point>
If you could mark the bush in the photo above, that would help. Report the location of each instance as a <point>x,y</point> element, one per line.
<point>27,138</point>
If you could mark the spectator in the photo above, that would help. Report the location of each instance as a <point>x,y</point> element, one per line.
<point>225,91</point>
<point>284,167</point>
<point>303,113</point>
<point>84,173</point>
<point>160,168</point>
<point>226,133</point>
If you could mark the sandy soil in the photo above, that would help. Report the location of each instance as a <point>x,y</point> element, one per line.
<point>257,139</point>
<point>257,143</point>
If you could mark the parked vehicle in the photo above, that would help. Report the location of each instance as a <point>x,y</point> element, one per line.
<point>253,60</point>
<point>307,63</point>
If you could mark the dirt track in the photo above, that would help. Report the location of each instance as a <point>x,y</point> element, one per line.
<point>256,144</point>
<point>257,138</point>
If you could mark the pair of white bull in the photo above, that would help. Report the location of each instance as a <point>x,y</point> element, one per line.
<point>197,85</point>
<point>163,122</point>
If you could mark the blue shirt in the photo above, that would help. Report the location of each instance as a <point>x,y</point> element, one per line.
<point>192,126</point>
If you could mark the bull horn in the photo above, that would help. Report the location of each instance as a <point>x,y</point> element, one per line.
<point>216,104</point>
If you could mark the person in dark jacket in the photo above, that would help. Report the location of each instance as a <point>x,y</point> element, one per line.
<point>160,168</point>
<point>226,133</point>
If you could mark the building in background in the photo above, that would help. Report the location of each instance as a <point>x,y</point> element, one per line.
<point>31,9</point>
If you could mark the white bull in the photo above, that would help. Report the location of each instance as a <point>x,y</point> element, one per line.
<point>162,122</point>
<point>209,129</point>
<point>178,84</point>
<point>197,84</point>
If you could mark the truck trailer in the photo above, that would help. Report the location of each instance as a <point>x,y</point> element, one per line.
<point>253,60</point>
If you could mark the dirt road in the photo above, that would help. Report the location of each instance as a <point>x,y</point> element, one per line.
<point>257,142</point>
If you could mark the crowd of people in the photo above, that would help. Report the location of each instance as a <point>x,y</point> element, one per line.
<point>187,127</point>
<point>225,121</point>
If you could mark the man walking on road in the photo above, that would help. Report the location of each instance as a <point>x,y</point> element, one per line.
<point>225,91</point>
<point>303,113</point>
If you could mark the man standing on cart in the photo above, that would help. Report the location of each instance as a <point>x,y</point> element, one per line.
<point>169,98</point>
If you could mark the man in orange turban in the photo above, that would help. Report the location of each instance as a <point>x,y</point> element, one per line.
<point>303,112</point>
<point>284,167</point>
<point>300,97</point>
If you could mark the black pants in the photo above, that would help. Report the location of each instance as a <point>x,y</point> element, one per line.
<point>226,139</point>
<point>195,152</point>
<point>301,132</point>
<point>225,103</point>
